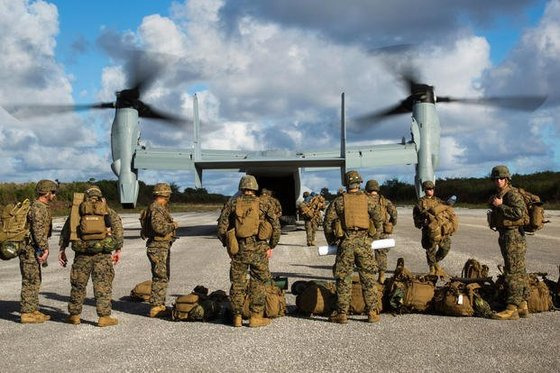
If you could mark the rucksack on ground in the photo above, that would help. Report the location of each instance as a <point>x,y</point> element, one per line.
<point>317,298</point>
<point>142,291</point>
<point>13,229</point>
<point>540,299</point>
<point>405,292</point>
<point>474,269</point>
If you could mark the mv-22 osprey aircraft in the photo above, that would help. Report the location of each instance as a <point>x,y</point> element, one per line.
<point>275,169</point>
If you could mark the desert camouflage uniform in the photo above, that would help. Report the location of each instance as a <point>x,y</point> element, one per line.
<point>389,215</point>
<point>435,251</point>
<point>251,257</point>
<point>158,250</point>
<point>513,246</point>
<point>99,266</point>
<point>353,249</point>
<point>40,226</point>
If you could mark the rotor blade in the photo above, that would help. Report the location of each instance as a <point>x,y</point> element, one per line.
<point>146,111</point>
<point>142,69</point>
<point>35,110</point>
<point>524,103</point>
<point>402,108</point>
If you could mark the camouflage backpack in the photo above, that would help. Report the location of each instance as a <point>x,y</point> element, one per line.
<point>474,269</point>
<point>92,219</point>
<point>247,217</point>
<point>14,229</point>
<point>535,210</point>
<point>406,292</point>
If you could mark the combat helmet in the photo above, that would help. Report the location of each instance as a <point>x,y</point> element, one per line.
<point>162,189</point>
<point>248,182</point>
<point>352,179</point>
<point>93,191</point>
<point>266,192</point>
<point>45,186</point>
<point>500,171</point>
<point>305,194</point>
<point>428,184</point>
<point>372,186</point>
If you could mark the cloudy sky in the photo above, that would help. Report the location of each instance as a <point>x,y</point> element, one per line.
<point>269,75</point>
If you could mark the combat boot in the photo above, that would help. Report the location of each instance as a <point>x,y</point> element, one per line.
<point>41,315</point>
<point>156,311</point>
<point>73,319</point>
<point>237,321</point>
<point>373,316</point>
<point>31,318</point>
<point>523,309</point>
<point>339,318</point>
<point>381,277</point>
<point>107,321</point>
<point>510,313</point>
<point>257,320</point>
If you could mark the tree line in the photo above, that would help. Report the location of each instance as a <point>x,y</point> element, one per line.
<point>469,191</point>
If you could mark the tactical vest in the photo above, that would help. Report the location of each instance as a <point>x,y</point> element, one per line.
<point>146,231</point>
<point>92,220</point>
<point>356,211</point>
<point>14,230</point>
<point>247,211</point>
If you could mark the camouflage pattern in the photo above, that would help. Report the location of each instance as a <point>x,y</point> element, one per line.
<point>435,251</point>
<point>251,258</point>
<point>354,249</point>
<point>98,266</point>
<point>158,250</point>
<point>513,246</point>
<point>269,199</point>
<point>316,204</point>
<point>389,215</point>
<point>310,230</point>
<point>39,218</point>
<point>44,186</point>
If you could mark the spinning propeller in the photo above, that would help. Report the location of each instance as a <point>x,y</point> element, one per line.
<point>141,71</point>
<point>419,92</point>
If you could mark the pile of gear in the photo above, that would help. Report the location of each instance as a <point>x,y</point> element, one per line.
<point>200,305</point>
<point>472,294</point>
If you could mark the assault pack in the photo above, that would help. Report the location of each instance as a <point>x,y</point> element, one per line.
<point>275,302</point>
<point>247,213</point>
<point>14,229</point>
<point>199,306</point>
<point>94,222</point>
<point>535,210</point>
<point>405,292</point>
<point>142,291</point>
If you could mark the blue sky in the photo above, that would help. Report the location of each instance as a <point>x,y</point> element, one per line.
<point>269,75</point>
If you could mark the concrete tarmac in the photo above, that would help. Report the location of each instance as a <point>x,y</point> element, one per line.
<point>404,343</point>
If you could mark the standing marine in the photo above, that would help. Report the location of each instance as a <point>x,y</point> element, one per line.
<point>308,214</point>
<point>95,232</point>
<point>437,247</point>
<point>508,215</point>
<point>389,220</point>
<point>267,196</point>
<point>250,229</point>
<point>159,229</point>
<point>351,222</point>
<point>36,252</point>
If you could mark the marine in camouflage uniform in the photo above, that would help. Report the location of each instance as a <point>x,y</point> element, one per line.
<point>436,251</point>
<point>36,252</point>
<point>354,247</point>
<point>308,215</point>
<point>267,197</point>
<point>89,261</point>
<point>160,234</point>
<point>389,216</point>
<point>252,257</point>
<point>508,213</point>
